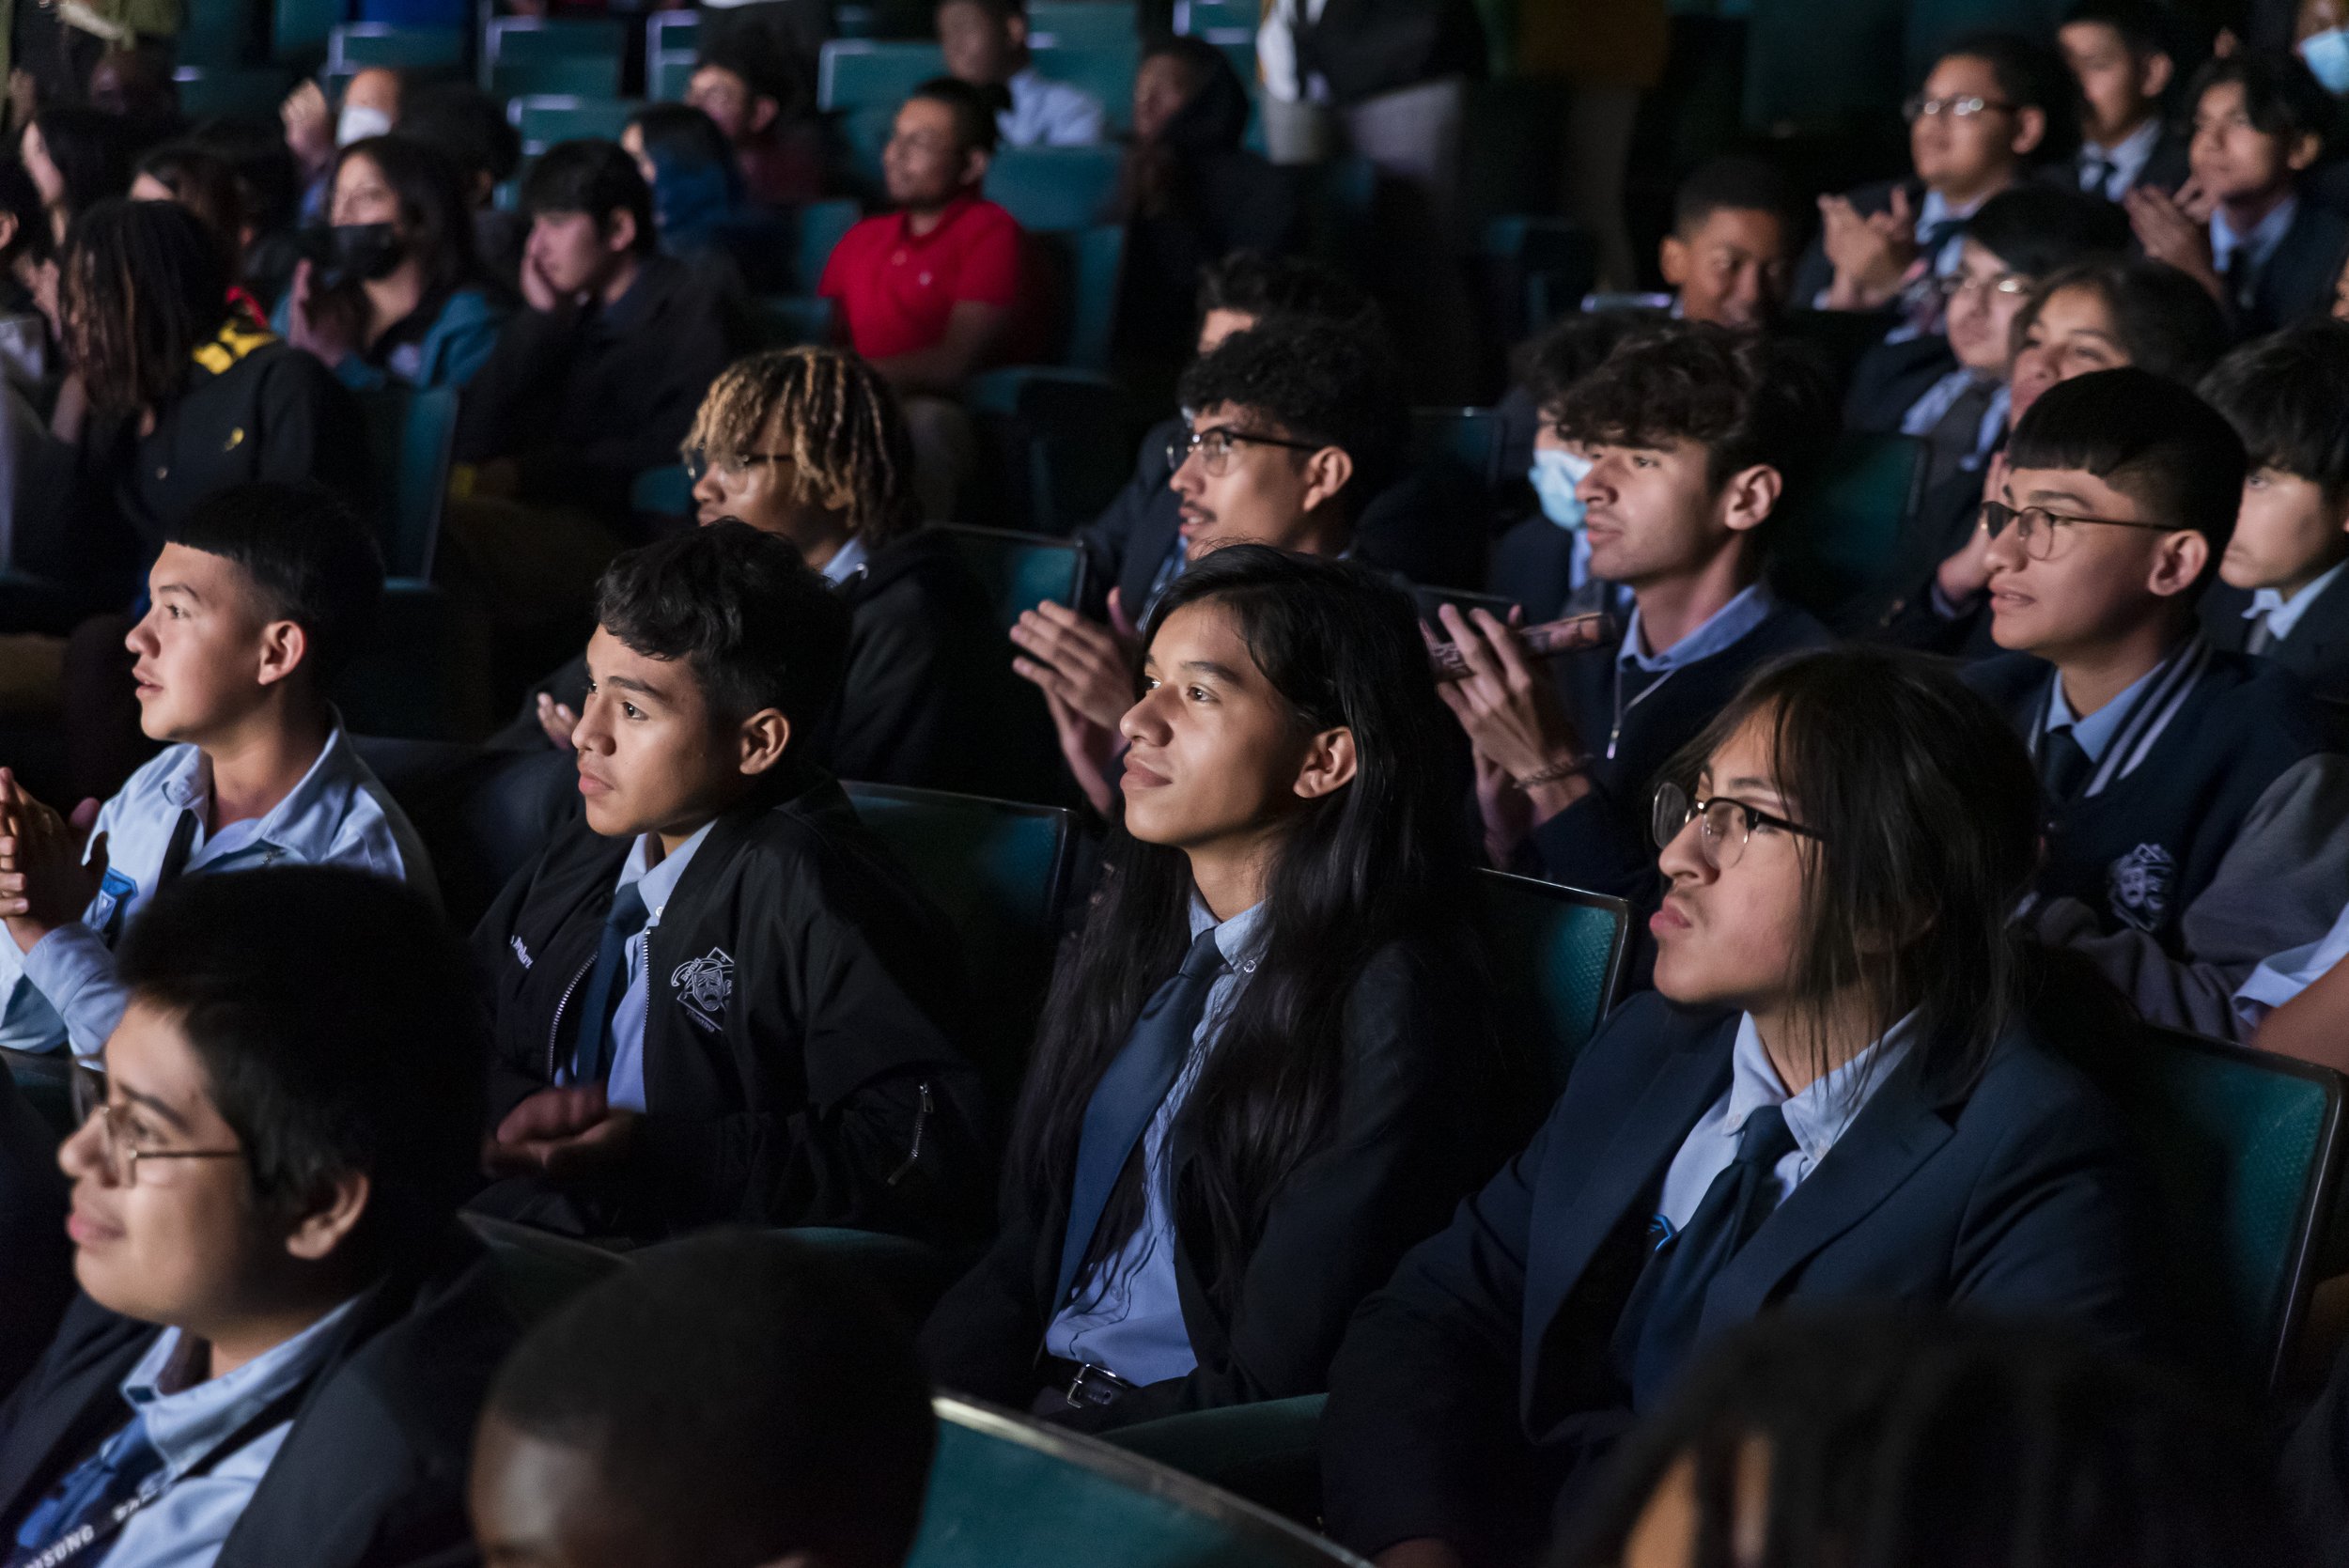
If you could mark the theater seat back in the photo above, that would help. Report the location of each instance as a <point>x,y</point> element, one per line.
<point>1558,959</point>
<point>1005,1489</point>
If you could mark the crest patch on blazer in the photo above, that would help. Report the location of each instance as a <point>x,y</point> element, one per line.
<point>2142,881</point>
<point>704,985</point>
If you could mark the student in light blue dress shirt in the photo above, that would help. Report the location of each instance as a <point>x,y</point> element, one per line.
<point>985,44</point>
<point>254,603</point>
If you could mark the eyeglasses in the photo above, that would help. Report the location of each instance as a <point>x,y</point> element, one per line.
<point>121,1154</point>
<point>2035,526</point>
<point>698,462</point>
<point>1214,445</point>
<point>2008,284</point>
<point>1723,824</point>
<point>1917,106</point>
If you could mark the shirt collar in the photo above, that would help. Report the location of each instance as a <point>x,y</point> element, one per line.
<point>306,823</point>
<point>657,880</point>
<point>2284,613</point>
<point>1722,628</point>
<point>1825,1109</point>
<point>846,562</point>
<point>961,202</point>
<point>2130,154</point>
<point>1240,939</point>
<point>2095,731</point>
<point>2261,241</point>
<point>186,1423</point>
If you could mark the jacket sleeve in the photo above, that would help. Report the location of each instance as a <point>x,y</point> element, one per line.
<point>1427,1375</point>
<point>1106,537</point>
<point>2279,886</point>
<point>312,429</point>
<point>1390,1172</point>
<point>597,476</point>
<point>511,1051</point>
<point>983,1335</point>
<point>504,407</point>
<point>899,701</point>
<point>1599,844</point>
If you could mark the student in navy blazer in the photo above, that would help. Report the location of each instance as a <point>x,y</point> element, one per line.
<point>1828,1099</point>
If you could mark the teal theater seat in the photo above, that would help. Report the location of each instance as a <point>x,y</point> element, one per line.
<point>1844,550</point>
<point>545,118</point>
<point>569,58</point>
<point>354,46</point>
<point>417,676</point>
<point>869,74</point>
<point>1558,959</point>
<point>1470,437</point>
<point>210,92</point>
<point>821,226</point>
<point>1089,23</point>
<point>1021,570</point>
<point>1055,187</point>
<point>1104,70</point>
<point>1006,1490</point>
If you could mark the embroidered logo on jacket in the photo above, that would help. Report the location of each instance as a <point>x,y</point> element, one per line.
<point>707,985</point>
<point>2141,883</point>
<point>519,951</point>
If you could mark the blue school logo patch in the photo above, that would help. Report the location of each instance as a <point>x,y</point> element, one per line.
<point>2140,886</point>
<point>704,985</point>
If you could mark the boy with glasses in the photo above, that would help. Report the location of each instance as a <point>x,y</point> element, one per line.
<point>1986,111</point>
<point>283,1340</point>
<point>2193,815</point>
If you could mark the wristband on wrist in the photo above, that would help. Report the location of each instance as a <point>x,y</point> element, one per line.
<point>1550,775</point>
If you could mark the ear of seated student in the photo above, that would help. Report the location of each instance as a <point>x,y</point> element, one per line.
<point>1938,1439</point>
<point>2282,591</point>
<point>766,1030</point>
<point>731,1402</point>
<point>256,599</point>
<point>2192,810</point>
<point>1697,436</point>
<point>809,445</point>
<point>284,1339</point>
<point>1265,1067</point>
<point>1830,1099</point>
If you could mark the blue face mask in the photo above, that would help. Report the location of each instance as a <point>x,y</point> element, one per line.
<point>2327,54</point>
<point>1555,473</point>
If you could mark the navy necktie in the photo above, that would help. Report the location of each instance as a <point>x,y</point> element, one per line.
<point>593,1059</point>
<point>1660,1323</point>
<point>2063,764</point>
<point>92,1492</point>
<point>1129,1094</point>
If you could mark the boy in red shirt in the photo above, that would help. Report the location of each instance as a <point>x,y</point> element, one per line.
<point>927,293</point>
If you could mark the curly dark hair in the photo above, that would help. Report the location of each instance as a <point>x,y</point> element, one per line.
<point>1314,380</point>
<point>1748,401</point>
<point>1548,366</point>
<point>1264,287</point>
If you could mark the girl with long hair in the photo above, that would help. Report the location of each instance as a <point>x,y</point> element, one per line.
<point>1265,1067</point>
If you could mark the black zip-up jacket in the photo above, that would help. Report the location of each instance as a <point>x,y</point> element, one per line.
<point>799,1060</point>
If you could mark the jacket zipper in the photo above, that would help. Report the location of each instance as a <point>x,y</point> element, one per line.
<point>921,1123</point>
<point>555,1028</point>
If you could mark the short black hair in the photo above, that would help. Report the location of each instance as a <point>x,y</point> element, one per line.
<point>2145,27</point>
<point>1734,182</point>
<point>596,178</point>
<point>2168,323</point>
<point>766,64</point>
<point>745,1399</point>
<point>305,553</point>
<point>742,609</point>
<point>467,125</point>
<point>1747,400</point>
<point>2281,97</point>
<point>2286,397</point>
<point>20,198</point>
<point>2036,229</point>
<point>340,1029</point>
<point>2028,75</point>
<point>2145,435</point>
<point>265,166</point>
<point>1255,283</point>
<point>1001,10</point>
<point>974,108</point>
<point>1550,366</point>
<point>1318,381</point>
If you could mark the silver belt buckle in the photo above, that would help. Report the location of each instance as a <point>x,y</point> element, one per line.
<point>1093,1386</point>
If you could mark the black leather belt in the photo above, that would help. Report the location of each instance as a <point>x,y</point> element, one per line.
<point>1084,1385</point>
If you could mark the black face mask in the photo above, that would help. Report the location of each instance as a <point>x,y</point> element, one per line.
<point>358,253</point>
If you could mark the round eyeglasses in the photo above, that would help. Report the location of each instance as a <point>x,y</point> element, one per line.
<point>699,462</point>
<point>118,1149</point>
<point>1214,445</point>
<point>1956,106</point>
<point>1723,825</point>
<point>2035,527</point>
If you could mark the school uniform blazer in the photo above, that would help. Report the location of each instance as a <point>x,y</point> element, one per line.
<point>36,1258</point>
<point>801,1055</point>
<point>1419,1121</point>
<point>1489,1351</point>
<point>1888,379</point>
<point>2167,167</point>
<point>372,1474</point>
<point>2298,279</point>
<point>1602,843</point>
<point>2318,649</point>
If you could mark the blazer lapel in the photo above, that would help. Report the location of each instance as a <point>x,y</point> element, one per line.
<point>1897,1131</point>
<point>77,1410</point>
<point>1571,1220</point>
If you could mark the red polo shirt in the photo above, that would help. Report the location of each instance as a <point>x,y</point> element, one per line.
<point>896,288</point>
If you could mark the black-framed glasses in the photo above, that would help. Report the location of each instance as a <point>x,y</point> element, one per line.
<point>1214,445</point>
<point>121,1152</point>
<point>698,462</point>
<point>2035,527</point>
<point>1723,824</point>
<point>1917,106</point>
<point>2012,285</point>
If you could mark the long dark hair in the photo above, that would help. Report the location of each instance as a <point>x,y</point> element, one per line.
<point>1380,861</point>
<point>432,206</point>
<point>1900,1439</point>
<point>1160,176</point>
<point>142,285</point>
<point>1928,810</point>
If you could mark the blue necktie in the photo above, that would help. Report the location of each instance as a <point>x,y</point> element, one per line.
<point>593,1059</point>
<point>100,1484</point>
<point>1129,1094</point>
<point>1660,1323</point>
